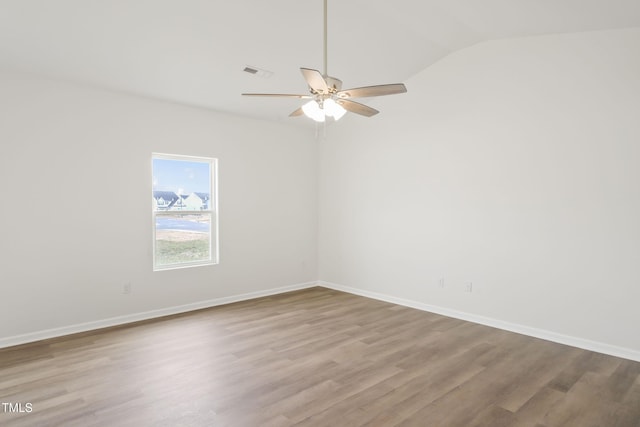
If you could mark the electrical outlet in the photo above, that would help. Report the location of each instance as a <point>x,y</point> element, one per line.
<point>126,289</point>
<point>441,282</point>
<point>468,287</point>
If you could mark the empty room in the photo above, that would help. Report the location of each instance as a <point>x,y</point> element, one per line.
<point>320,213</point>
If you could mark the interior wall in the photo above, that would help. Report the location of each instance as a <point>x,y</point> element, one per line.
<point>75,169</point>
<point>512,165</point>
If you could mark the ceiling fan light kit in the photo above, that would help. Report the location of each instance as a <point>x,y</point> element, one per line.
<point>327,97</point>
<point>319,110</point>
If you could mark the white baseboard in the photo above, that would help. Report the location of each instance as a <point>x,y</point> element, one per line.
<point>585,344</point>
<point>129,318</point>
<point>599,347</point>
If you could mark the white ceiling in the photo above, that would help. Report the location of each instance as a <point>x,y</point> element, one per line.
<point>193,51</point>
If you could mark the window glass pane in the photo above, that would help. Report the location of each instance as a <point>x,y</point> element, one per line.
<point>182,238</point>
<point>181,185</point>
<point>184,220</point>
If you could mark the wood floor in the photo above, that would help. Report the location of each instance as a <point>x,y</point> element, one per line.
<point>314,358</point>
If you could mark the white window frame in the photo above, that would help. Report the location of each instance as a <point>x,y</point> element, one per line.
<point>212,210</point>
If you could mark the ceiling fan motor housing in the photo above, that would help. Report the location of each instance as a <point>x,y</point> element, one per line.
<point>334,85</point>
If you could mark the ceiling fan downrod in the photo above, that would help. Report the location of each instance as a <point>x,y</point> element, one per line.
<point>326,74</point>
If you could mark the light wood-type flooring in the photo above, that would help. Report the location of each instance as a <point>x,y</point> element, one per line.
<point>315,357</point>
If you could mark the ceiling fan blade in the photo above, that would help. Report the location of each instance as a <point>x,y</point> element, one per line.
<point>297,113</point>
<point>315,80</point>
<point>278,95</point>
<point>379,90</point>
<point>356,107</point>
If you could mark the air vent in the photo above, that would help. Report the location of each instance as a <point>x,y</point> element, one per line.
<point>257,71</point>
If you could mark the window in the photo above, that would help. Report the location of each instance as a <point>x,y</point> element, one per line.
<point>185,211</point>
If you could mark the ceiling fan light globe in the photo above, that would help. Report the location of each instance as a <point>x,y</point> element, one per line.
<point>333,109</point>
<point>312,110</point>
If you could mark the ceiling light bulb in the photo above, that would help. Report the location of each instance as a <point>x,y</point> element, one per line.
<point>333,109</point>
<point>312,110</point>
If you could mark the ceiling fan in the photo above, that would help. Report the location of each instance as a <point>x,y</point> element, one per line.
<point>328,99</point>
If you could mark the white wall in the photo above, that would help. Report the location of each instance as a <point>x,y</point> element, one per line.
<point>511,164</point>
<point>514,165</point>
<point>76,192</point>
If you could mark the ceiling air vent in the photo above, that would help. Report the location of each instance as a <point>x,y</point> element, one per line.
<point>257,71</point>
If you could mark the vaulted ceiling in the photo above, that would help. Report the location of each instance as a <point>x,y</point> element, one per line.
<point>194,51</point>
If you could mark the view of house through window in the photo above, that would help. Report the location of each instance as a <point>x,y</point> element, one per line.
<point>184,211</point>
